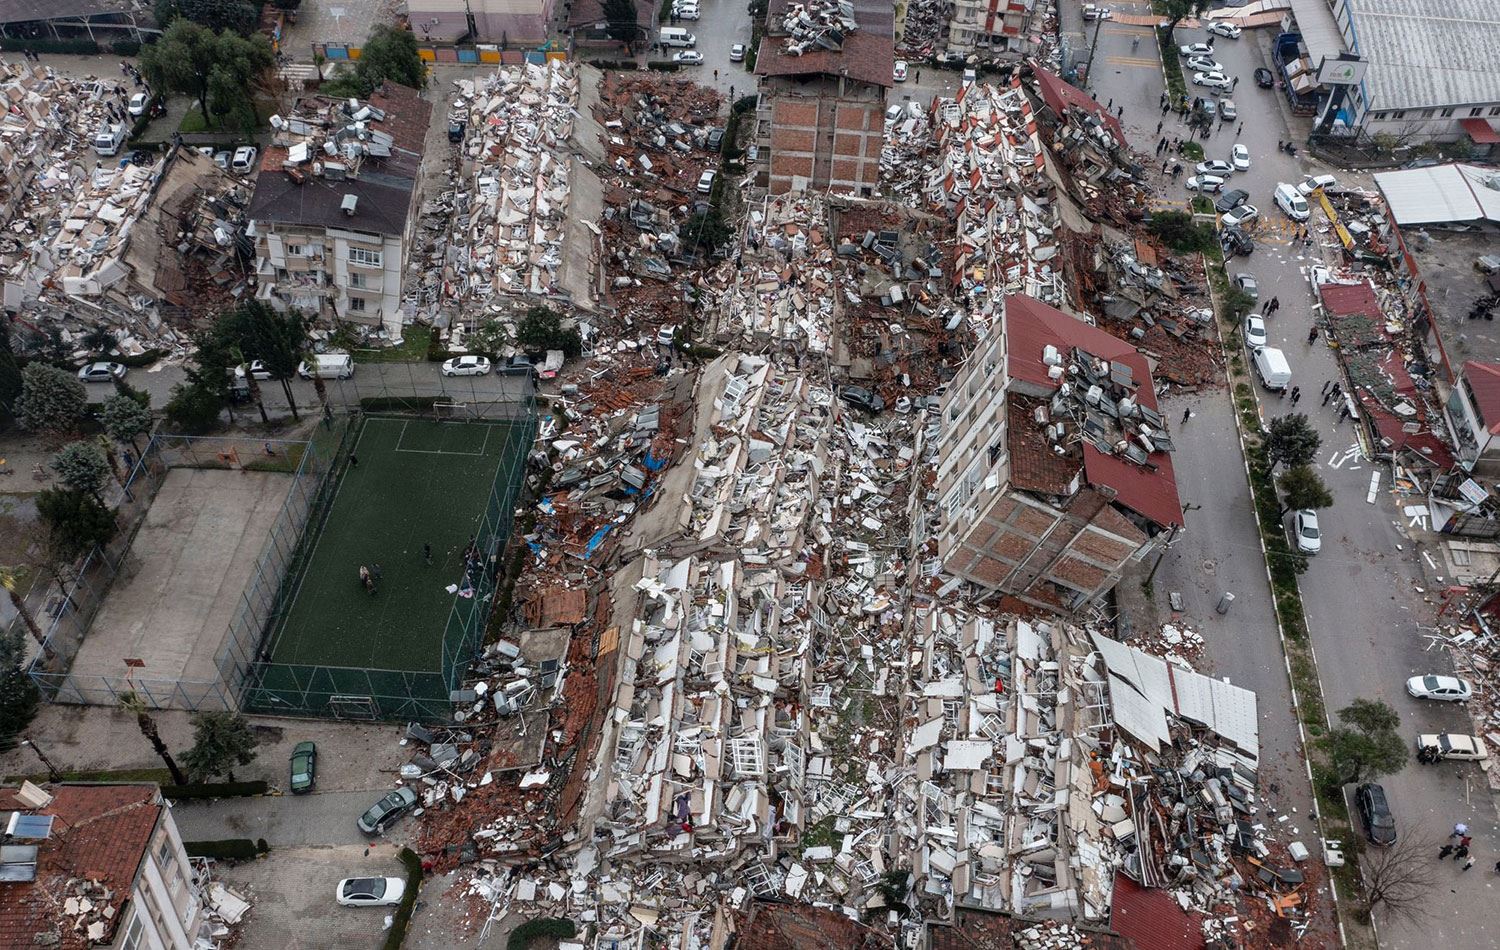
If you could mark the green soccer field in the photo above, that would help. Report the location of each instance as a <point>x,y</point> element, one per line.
<point>408,483</point>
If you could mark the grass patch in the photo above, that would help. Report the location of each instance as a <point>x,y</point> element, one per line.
<point>416,340</point>
<point>1192,151</point>
<point>1171,65</point>
<point>287,459</point>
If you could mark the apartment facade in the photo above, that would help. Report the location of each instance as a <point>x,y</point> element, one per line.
<point>335,206</point>
<point>989,26</point>
<point>506,22</point>
<point>1048,488</point>
<point>103,865</point>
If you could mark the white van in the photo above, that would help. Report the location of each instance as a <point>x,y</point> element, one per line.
<point>327,366</point>
<point>1290,200</point>
<point>1274,371</point>
<point>109,138</point>
<point>677,36</point>
<point>1312,183</point>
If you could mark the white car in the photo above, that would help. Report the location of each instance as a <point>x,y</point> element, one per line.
<point>1453,745</point>
<point>898,72</point>
<point>1318,275</point>
<point>1255,331</point>
<point>686,13</point>
<point>1290,200</point>
<point>688,57</point>
<point>1312,183</point>
<point>138,103</point>
<point>1449,689</point>
<point>666,335</point>
<point>370,891</point>
<point>1196,49</point>
<point>1214,167</point>
<point>1213,80</point>
<point>1239,157</point>
<point>257,369</point>
<point>737,53</point>
<point>1204,183</point>
<point>466,366</point>
<point>1241,216</point>
<point>244,159</point>
<point>1205,64</point>
<point>706,182</point>
<point>1305,526</point>
<point>104,372</point>
<point>1227,30</point>
<point>1095,12</point>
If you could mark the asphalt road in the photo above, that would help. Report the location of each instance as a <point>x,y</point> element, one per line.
<point>319,818</point>
<point>1363,593</point>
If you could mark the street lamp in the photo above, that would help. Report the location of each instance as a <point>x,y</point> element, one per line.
<point>53,775</point>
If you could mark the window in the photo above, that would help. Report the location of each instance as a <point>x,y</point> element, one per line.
<point>1494,110</point>
<point>1476,112</point>
<point>1425,114</point>
<point>165,853</point>
<point>357,304</point>
<point>1399,114</point>
<point>356,279</point>
<point>135,934</point>
<point>1377,116</point>
<point>1447,113</point>
<point>295,250</point>
<point>358,255</point>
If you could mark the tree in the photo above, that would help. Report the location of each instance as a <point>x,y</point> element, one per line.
<point>254,330</point>
<point>10,374</point>
<point>390,53</point>
<point>76,521</point>
<point>1365,745</point>
<point>194,408</point>
<point>1178,232</point>
<point>218,71</point>
<point>99,339</point>
<point>221,741</point>
<point>10,580</point>
<point>18,694</point>
<point>1398,881</point>
<point>541,330</point>
<point>490,339</point>
<point>124,418</point>
<point>1176,10</point>
<point>52,399</point>
<point>1302,488</point>
<point>133,703</point>
<point>622,21</point>
<point>213,14</point>
<point>708,228</point>
<point>1291,440</point>
<point>83,467</point>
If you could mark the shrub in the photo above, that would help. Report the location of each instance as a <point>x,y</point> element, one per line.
<point>229,849</point>
<point>215,790</point>
<point>72,47</point>
<point>1177,230</point>
<point>125,47</point>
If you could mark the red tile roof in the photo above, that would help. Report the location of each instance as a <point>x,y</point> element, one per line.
<point>1357,298</point>
<point>1058,95</point>
<point>1484,383</point>
<point>865,57</point>
<point>1030,326</point>
<point>102,834</point>
<point>1151,918</point>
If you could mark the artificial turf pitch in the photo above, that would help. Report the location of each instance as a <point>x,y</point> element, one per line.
<point>415,482</point>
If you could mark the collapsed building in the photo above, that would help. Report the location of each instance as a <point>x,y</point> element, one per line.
<point>334,207</point>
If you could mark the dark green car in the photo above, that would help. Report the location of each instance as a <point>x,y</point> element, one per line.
<point>304,767</point>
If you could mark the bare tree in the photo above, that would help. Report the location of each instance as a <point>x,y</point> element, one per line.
<point>1398,880</point>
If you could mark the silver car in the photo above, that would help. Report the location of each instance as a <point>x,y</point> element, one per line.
<point>103,372</point>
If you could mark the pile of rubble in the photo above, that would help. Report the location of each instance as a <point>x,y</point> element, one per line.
<point>816,25</point>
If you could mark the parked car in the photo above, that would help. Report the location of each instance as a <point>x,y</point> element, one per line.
<point>466,366</point>
<point>1214,166</point>
<point>1318,275</point>
<point>1196,49</point>
<point>456,130</point>
<point>1231,199</point>
<point>304,768</point>
<point>1239,157</point>
<point>1205,64</point>
<point>1290,200</point>
<point>1228,111</point>
<point>1237,241</point>
<point>1305,528</point>
<point>221,159</point>
<point>243,161</point>
<point>688,57</point>
<point>715,140</point>
<point>1263,78</point>
<point>370,891</point>
<point>1255,331</point>
<point>1208,107</point>
<point>861,398</point>
<point>706,181</point>
<point>737,53</point>
<point>1247,285</point>
<point>138,104</point>
<point>1241,216</point>
<point>667,335</point>
<point>1453,745</point>
<point>1312,183</point>
<point>103,372</point>
<point>1375,812</point>
<point>1204,183</point>
<point>1213,80</point>
<point>1448,689</point>
<point>1227,30</point>
<point>1093,11</point>
<point>898,72</point>
<point>385,812</point>
<point>687,13</point>
<point>257,369</point>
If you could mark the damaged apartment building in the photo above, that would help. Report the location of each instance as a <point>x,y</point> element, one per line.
<point>823,84</point>
<point>335,206</point>
<point>1055,468</point>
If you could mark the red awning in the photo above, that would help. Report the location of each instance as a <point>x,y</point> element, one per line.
<point>1480,131</point>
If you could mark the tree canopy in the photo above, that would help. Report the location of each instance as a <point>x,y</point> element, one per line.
<point>1366,744</point>
<point>1301,487</point>
<point>389,53</point>
<point>124,418</point>
<point>221,742</point>
<point>256,331</point>
<point>541,330</point>
<point>18,694</point>
<point>51,400</point>
<point>214,14</point>
<point>1291,440</point>
<point>1176,10</point>
<point>82,466</point>
<point>76,521</point>
<point>218,70</point>
<point>623,24</point>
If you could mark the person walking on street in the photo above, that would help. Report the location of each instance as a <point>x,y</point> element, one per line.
<point>1461,853</point>
<point>427,552</point>
<point>1158,127</point>
<point>1312,336</point>
<point>1296,394</point>
<point>1465,841</point>
<point>1240,129</point>
<point>1459,830</point>
<point>1327,384</point>
<point>1186,415</point>
<point>1343,411</point>
<point>1468,863</point>
<point>1447,850</point>
<point>353,460</point>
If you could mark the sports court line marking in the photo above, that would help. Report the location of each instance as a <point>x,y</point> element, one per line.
<point>402,436</point>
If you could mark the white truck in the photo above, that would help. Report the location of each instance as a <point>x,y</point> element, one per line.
<point>1274,371</point>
